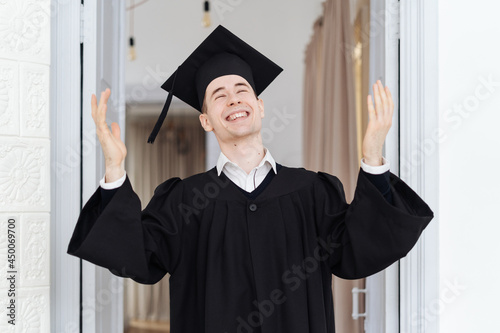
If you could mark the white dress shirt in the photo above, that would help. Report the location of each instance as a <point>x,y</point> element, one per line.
<point>237,175</point>
<point>251,181</point>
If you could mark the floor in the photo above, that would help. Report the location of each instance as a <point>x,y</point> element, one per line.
<point>138,326</point>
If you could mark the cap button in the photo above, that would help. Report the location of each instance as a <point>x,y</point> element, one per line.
<point>252,207</point>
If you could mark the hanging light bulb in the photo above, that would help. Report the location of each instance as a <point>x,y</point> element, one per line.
<point>206,15</point>
<point>131,51</point>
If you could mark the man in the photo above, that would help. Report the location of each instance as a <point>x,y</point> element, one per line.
<point>251,245</point>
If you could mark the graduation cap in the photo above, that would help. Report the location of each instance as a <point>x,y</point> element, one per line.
<point>221,53</point>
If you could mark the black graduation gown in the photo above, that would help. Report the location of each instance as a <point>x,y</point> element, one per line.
<point>259,262</point>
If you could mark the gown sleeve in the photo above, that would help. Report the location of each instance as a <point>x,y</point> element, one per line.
<point>382,183</point>
<point>369,234</point>
<point>118,236</point>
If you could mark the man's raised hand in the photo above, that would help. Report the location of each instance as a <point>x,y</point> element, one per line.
<point>379,123</point>
<point>112,146</point>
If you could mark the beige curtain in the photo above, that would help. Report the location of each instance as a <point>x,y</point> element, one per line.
<point>179,151</point>
<point>330,125</point>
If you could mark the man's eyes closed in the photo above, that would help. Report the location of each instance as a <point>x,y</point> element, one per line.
<point>223,95</point>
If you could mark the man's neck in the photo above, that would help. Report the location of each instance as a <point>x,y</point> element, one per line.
<point>247,154</point>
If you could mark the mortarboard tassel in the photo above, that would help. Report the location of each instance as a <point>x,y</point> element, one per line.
<point>163,113</point>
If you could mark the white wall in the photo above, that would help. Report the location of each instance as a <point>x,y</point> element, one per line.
<point>167,32</point>
<point>469,246</point>
<point>25,161</point>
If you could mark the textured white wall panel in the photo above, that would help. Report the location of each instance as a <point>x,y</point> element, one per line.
<point>24,174</point>
<point>25,160</point>
<point>3,250</point>
<point>34,310</point>
<point>34,102</point>
<point>5,327</point>
<point>9,97</point>
<point>35,247</point>
<point>25,30</point>
<point>32,265</point>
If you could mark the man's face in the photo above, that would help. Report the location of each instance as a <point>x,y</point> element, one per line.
<point>232,109</point>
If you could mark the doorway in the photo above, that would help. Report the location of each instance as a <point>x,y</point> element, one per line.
<point>92,275</point>
<point>178,151</point>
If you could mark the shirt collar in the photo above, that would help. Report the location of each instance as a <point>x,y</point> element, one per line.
<point>223,160</point>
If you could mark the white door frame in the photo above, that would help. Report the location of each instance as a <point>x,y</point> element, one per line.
<point>415,160</point>
<point>102,300</point>
<point>382,297</point>
<point>65,163</point>
<point>419,126</point>
<point>102,296</point>
<point>418,123</point>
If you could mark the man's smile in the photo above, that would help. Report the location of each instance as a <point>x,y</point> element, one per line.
<point>237,115</point>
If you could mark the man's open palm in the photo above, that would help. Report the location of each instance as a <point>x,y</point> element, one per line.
<point>112,146</point>
<point>380,121</point>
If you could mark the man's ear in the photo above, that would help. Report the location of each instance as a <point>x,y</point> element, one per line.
<point>261,107</point>
<point>205,122</point>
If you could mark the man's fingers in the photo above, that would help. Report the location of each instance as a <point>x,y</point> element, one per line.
<point>101,109</point>
<point>383,96</point>
<point>378,100</point>
<point>93,106</point>
<point>115,129</point>
<point>101,113</point>
<point>391,101</point>
<point>104,97</point>
<point>371,109</point>
<point>103,106</point>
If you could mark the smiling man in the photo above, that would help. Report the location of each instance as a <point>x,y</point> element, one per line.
<point>251,245</point>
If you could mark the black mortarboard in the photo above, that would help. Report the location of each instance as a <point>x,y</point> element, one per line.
<point>221,53</point>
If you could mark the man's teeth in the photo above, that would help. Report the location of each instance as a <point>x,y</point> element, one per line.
<point>237,115</point>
